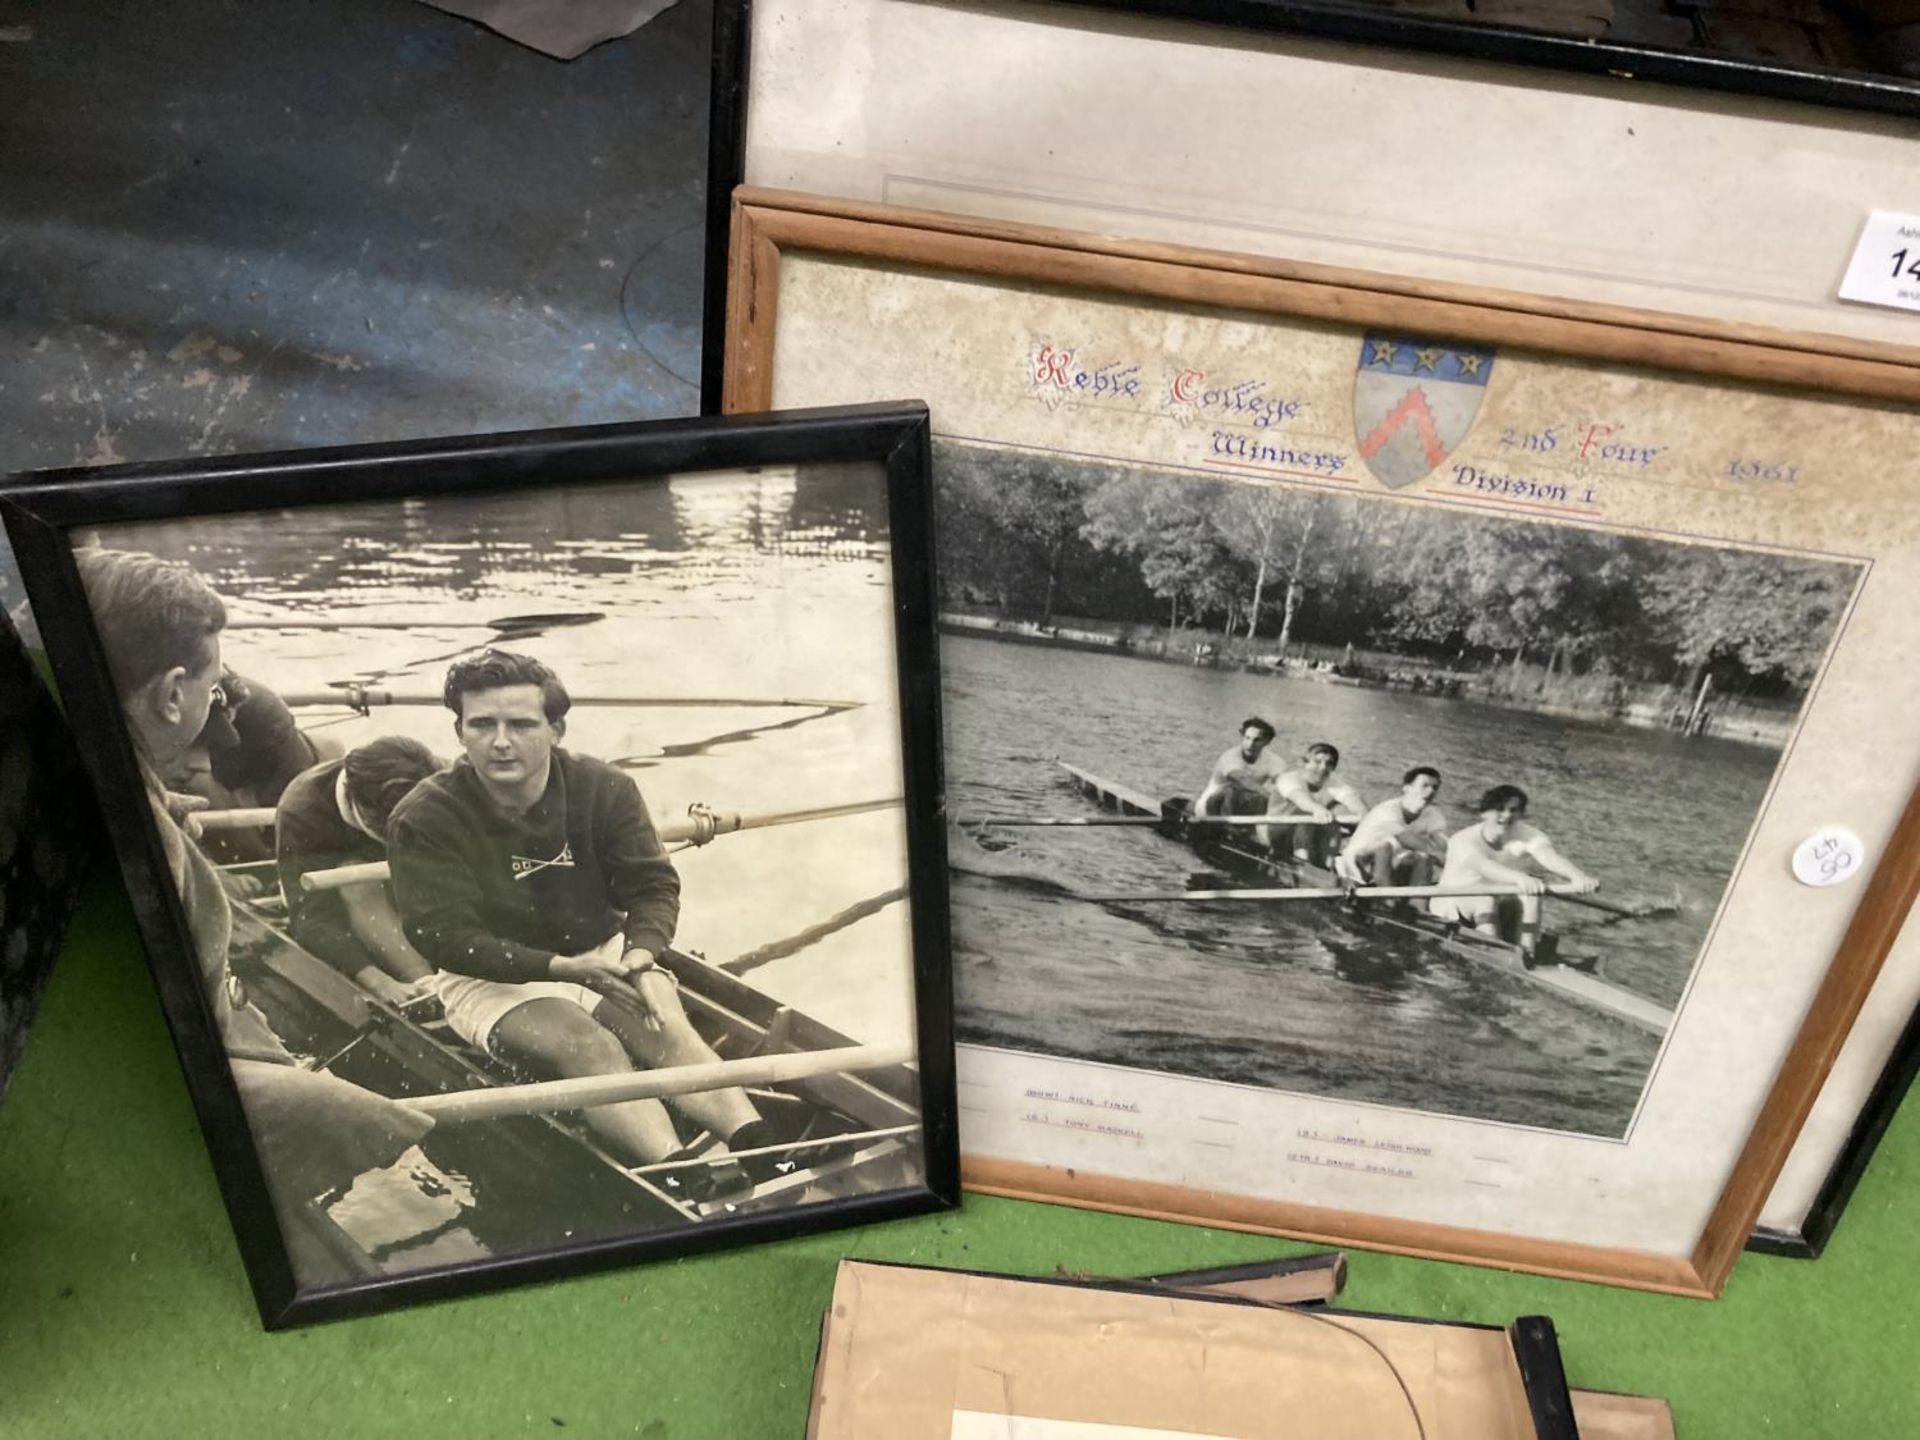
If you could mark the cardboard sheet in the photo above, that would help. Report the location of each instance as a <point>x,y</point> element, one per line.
<point>917,1354</point>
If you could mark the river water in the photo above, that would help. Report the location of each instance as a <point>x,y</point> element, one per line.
<point>1302,998</point>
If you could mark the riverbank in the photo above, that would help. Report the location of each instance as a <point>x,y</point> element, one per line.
<point>1526,688</point>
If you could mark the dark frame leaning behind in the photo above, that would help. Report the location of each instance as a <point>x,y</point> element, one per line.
<point>1394,31</point>
<point>822,1129</point>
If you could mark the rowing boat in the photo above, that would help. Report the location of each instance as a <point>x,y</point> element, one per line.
<point>1244,858</point>
<point>542,1181</point>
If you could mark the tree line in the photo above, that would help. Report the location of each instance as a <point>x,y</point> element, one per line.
<point>1039,537</point>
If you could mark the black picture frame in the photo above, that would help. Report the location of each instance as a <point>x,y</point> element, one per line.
<point>42,511</point>
<point>1863,1138</point>
<point>1313,20</point>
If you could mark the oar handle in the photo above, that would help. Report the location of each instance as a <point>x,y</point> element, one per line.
<point>201,822</point>
<point>584,1092</point>
<point>342,876</point>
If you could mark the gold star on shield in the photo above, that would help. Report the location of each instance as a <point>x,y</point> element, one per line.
<point>1383,352</point>
<point>1469,364</point>
<point>1427,357</point>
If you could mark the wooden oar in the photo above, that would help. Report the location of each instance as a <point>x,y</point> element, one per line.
<point>1078,820</point>
<point>585,1092</point>
<point>364,697</point>
<point>507,625</point>
<point>1329,892</point>
<point>200,822</point>
<point>1641,911</point>
<point>700,826</point>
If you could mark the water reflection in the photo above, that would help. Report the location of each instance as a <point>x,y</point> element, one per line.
<point>691,531</point>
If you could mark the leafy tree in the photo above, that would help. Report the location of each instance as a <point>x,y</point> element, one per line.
<point>1007,522</point>
<point>1169,530</point>
<point>1280,534</point>
<point>1728,615</point>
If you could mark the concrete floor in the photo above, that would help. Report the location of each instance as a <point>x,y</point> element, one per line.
<point>237,225</point>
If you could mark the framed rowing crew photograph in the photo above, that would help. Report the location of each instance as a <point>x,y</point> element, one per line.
<point>1422,772</point>
<point>860,101</point>
<point>534,837</point>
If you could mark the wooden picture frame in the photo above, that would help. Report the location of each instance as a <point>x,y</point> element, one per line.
<point>681,535</point>
<point>1606,96</point>
<point>1673,166</point>
<point>851,250</point>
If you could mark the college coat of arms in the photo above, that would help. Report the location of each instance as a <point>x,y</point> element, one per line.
<point>1413,401</point>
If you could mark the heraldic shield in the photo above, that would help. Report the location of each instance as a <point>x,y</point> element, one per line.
<point>1413,401</point>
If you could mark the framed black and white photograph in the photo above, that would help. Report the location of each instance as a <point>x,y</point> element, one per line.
<point>909,103</point>
<point>534,837</point>
<point>1423,773</point>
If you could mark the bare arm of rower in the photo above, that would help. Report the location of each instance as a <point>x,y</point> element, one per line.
<point>1429,837</point>
<point>1291,797</point>
<point>1542,850</point>
<point>322,920</point>
<point>375,923</point>
<point>1486,871</point>
<point>1216,787</point>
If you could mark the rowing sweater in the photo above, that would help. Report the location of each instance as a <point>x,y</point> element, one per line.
<point>488,893</point>
<point>310,834</point>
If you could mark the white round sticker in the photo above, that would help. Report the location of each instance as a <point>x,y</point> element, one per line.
<point>1829,856</point>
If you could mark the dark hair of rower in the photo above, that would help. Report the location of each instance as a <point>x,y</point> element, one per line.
<point>496,670</point>
<point>1254,722</point>
<point>1501,796</point>
<point>1321,747</point>
<point>1416,772</point>
<point>382,773</point>
<point>153,615</point>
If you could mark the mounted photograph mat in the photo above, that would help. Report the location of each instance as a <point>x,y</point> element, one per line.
<point>1595,191</point>
<point>1583,190</point>
<point>1669,618</point>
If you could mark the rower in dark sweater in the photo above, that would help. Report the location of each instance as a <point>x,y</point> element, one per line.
<point>527,874</point>
<point>336,814</point>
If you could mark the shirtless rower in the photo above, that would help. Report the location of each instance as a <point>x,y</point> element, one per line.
<point>1309,790</point>
<point>1493,851</point>
<point>1243,778</point>
<point>1402,841</point>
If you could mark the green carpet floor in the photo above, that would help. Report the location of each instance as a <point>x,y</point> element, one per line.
<point>124,1311</point>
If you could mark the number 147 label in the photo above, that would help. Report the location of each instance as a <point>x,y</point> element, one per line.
<point>1885,269</point>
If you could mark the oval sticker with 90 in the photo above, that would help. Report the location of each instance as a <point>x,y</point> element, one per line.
<point>1828,856</point>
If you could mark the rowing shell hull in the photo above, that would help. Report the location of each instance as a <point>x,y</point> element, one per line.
<point>1241,858</point>
<point>548,1173</point>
